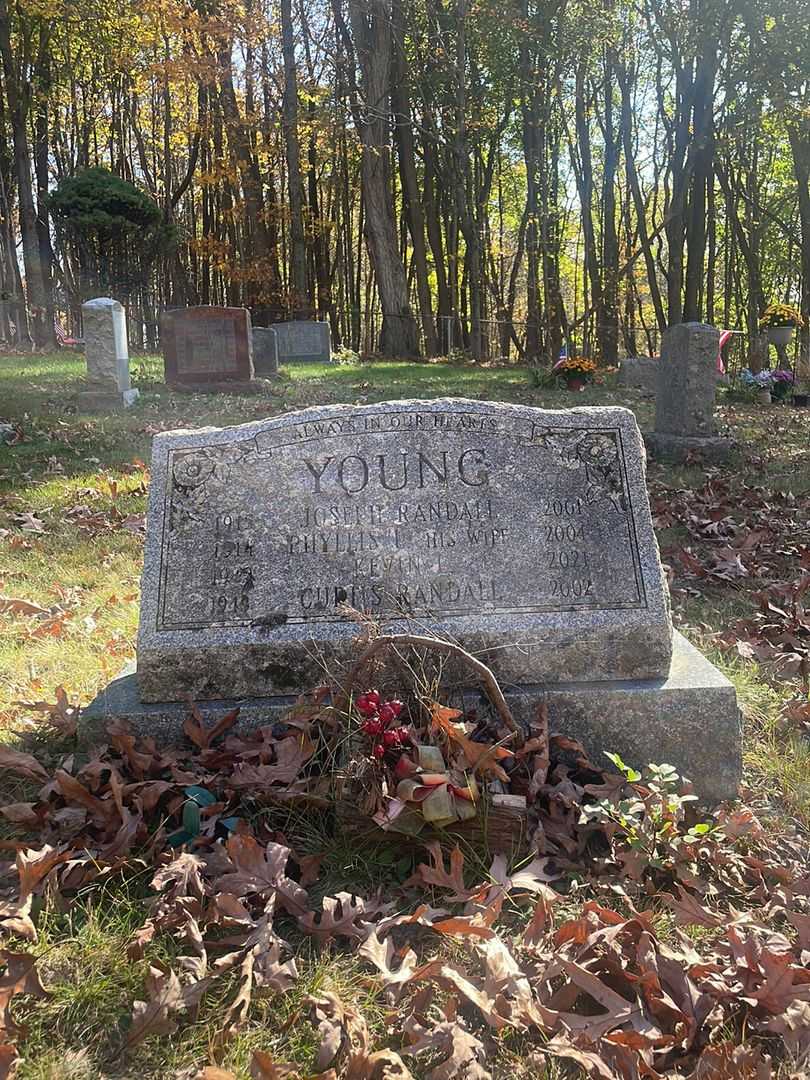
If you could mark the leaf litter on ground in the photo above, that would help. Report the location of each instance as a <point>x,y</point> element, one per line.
<point>577,946</point>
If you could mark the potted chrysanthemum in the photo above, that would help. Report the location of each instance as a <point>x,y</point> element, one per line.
<point>780,321</point>
<point>576,371</point>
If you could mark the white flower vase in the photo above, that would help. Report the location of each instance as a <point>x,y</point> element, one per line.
<point>780,335</point>
<point>764,397</point>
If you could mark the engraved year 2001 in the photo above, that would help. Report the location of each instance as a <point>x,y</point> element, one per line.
<point>560,507</point>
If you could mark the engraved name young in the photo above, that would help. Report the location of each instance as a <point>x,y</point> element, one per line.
<point>452,512</point>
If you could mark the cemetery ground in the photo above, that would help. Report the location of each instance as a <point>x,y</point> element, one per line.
<point>122,987</point>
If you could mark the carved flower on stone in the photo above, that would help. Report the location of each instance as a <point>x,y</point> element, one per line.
<point>599,450</point>
<point>191,471</point>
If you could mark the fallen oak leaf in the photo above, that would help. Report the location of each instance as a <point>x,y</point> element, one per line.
<point>258,870</point>
<point>343,915</point>
<point>436,874</point>
<point>61,714</point>
<point>263,1067</point>
<point>155,1016</point>
<point>20,977</point>
<point>202,736</point>
<point>481,757</point>
<point>23,764</point>
<point>16,606</point>
<point>381,954</point>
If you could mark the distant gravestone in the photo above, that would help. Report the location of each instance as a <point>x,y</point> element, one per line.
<point>639,373</point>
<point>522,534</point>
<point>303,341</point>
<point>265,350</point>
<point>685,395</point>
<point>208,348</point>
<point>107,356</point>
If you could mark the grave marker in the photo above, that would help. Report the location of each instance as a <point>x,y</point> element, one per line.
<point>207,348</point>
<point>265,350</point>
<point>492,523</point>
<point>303,341</point>
<point>685,393</point>
<point>447,516</point>
<point>107,356</point>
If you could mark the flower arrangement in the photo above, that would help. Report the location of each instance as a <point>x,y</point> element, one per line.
<point>778,383</point>
<point>575,369</point>
<point>780,315</point>
<point>432,774</point>
<point>761,381</point>
<point>781,383</point>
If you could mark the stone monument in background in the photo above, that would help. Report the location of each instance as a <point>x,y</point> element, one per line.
<point>303,342</point>
<point>265,351</point>
<point>208,349</point>
<point>523,534</point>
<point>685,395</point>
<point>107,355</point>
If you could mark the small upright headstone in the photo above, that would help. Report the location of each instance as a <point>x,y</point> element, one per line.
<point>107,355</point>
<point>639,373</point>
<point>265,350</point>
<point>208,349</point>
<point>303,341</point>
<point>684,401</point>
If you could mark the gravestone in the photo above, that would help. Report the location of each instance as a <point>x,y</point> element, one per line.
<point>684,402</point>
<point>107,356</point>
<point>639,373</point>
<point>303,341</point>
<point>208,349</point>
<point>523,534</point>
<point>265,350</point>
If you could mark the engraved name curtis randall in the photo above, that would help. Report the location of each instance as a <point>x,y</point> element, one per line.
<point>394,472</point>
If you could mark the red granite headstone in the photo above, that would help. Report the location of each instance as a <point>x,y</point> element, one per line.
<point>207,345</point>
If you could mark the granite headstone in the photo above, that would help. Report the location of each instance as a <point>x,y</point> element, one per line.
<point>303,341</point>
<point>207,347</point>
<point>523,534</point>
<point>265,350</point>
<point>685,395</point>
<point>492,523</point>
<point>107,356</point>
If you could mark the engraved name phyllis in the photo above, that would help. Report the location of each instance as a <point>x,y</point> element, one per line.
<point>436,514</point>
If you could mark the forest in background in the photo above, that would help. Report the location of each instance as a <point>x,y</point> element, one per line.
<point>487,178</point>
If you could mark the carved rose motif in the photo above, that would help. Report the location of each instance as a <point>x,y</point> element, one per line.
<point>192,471</point>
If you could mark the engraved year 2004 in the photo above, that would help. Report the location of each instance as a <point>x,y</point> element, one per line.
<point>563,532</point>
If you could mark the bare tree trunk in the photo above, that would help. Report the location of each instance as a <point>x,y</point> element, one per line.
<point>18,94</point>
<point>371,27</point>
<point>300,304</point>
<point>403,133</point>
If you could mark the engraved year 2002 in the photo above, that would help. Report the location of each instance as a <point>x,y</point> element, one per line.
<point>575,588</point>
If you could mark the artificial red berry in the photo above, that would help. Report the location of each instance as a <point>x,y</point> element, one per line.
<point>387,714</point>
<point>372,726</point>
<point>390,738</point>
<point>373,696</point>
<point>379,750</point>
<point>395,706</point>
<point>403,734</point>
<point>366,707</point>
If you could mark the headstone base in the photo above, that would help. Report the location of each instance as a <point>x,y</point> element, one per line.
<point>678,447</point>
<point>106,400</point>
<point>251,386</point>
<point>689,719</point>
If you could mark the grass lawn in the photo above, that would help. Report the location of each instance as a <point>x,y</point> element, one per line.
<point>72,500</point>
